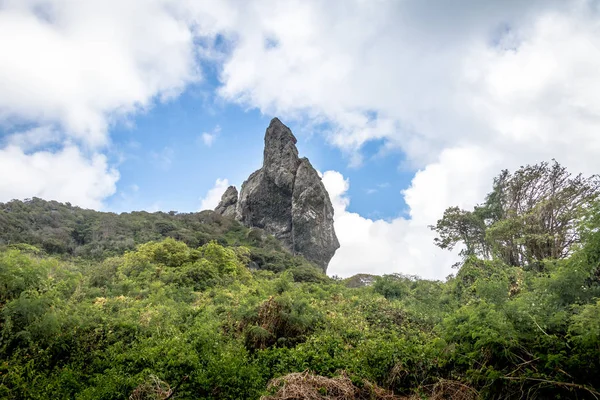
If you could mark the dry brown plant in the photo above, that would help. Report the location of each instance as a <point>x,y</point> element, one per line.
<point>152,389</point>
<point>307,386</point>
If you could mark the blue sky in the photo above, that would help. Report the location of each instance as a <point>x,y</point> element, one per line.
<point>165,165</point>
<point>406,107</point>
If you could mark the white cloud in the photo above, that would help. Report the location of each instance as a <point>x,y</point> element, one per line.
<point>213,196</point>
<point>485,73</point>
<point>79,65</point>
<point>379,246</point>
<point>72,69</point>
<point>66,175</point>
<point>208,138</point>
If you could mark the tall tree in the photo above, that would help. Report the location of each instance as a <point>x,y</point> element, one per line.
<point>529,216</point>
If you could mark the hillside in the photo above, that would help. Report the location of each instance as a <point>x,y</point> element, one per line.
<point>69,231</point>
<point>195,306</point>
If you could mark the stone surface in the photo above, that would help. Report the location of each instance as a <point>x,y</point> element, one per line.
<point>287,199</point>
<point>266,196</point>
<point>228,203</point>
<point>312,217</point>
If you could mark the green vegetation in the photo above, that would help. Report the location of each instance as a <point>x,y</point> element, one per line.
<point>219,311</point>
<point>68,231</point>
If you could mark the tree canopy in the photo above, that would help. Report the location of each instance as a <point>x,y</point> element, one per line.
<point>529,216</point>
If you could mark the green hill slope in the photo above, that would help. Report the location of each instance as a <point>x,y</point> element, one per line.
<point>195,306</point>
<point>62,229</point>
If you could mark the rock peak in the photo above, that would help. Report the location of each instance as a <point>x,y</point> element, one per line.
<point>287,199</point>
<point>280,146</point>
<point>277,124</point>
<point>228,202</point>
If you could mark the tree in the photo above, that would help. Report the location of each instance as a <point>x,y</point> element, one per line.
<point>466,227</point>
<point>529,216</point>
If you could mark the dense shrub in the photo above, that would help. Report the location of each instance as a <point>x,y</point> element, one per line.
<point>223,311</point>
<point>165,312</point>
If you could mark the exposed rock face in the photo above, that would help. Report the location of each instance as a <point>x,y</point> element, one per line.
<point>228,202</point>
<point>312,217</point>
<point>287,199</point>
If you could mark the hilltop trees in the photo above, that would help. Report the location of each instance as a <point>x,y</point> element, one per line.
<point>528,286</point>
<point>531,215</point>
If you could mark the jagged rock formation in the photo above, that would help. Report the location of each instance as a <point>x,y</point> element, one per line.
<point>312,217</point>
<point>287,199</point>
<point>228,202</point>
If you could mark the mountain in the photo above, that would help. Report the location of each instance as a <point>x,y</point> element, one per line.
<point>287,199</point>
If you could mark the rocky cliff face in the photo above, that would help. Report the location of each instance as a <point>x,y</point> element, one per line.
<point>228,202</point>
<point>287,199</point>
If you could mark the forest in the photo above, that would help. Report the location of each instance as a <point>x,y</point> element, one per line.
<point>196,306</point>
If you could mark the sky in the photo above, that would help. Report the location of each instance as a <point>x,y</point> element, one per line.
<point>406,107</point>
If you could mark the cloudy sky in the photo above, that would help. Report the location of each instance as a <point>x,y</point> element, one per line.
<point>406,106</point>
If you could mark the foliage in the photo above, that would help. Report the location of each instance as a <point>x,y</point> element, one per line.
<point>138,324</point>
<point>62,229</point>
<point>530,215</point>
<point>222,318</point>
